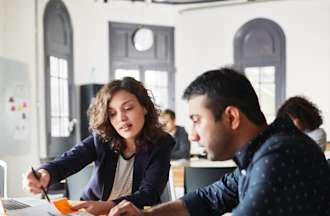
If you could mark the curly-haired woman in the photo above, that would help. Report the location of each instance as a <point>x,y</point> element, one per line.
<point>131,153</point>
<point>306,117</point>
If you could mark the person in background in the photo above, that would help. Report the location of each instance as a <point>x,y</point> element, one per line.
<point>280,171</point>
<point>181,149</point>
<point>306,117</point>
<point>130,151</point>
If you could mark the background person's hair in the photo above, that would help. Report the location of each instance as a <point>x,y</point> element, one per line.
<point>169,112</point>
<point>227,87</point>
<point>304,110</point>
<point>99,119</point>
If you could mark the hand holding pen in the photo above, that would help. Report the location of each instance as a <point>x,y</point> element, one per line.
<point>35,174</point>
<point>36,181</point>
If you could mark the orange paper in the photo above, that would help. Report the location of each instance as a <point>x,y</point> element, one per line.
<point>63,206</point>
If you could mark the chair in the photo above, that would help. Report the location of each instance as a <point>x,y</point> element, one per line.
<point>169,191</point>
<point>196,177</point>
<point>3,179</point>
<point>77,182</point>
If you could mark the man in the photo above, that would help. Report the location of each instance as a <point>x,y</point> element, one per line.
<point>280,171</point>
<point>181,150</point>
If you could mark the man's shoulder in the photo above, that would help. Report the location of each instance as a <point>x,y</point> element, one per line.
<point>180,130</point>
<point>282,142</point>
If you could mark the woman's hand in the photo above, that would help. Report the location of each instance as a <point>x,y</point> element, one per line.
<point>32,184</point>
<point>125,208</point>
<point>95,207</point>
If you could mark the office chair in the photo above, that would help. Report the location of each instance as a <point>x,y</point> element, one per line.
<point>3,179</point>
<point>196,177</point>
<point>169,191</point>
<point>77,182</point>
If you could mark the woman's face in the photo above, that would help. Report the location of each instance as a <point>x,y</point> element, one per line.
<point>126,114</point>
<point>298,123</point>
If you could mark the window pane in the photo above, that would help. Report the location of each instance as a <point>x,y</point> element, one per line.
<point>53,66</point>
<point>64,69</point>
<point>55,127</point>
<point>157,82</point>
<point>252,73</point>
<point>267,98</point>
<point>54,96</point>
<point>267,74</point>
<point>59,97</point>
<point>120,73</point>
<point>263,82</point>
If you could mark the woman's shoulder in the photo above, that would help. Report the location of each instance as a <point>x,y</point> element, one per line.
<point>164,140</point>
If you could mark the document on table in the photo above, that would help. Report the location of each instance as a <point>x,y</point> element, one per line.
<point>43,210</point>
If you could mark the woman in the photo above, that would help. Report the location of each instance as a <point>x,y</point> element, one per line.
<point>131,153</point>
<point>306,117</point>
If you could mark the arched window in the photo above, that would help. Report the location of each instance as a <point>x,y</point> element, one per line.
<point>58,78</point>
<point>259,48</point>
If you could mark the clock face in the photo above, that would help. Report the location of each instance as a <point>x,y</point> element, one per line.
<point>143,39</point>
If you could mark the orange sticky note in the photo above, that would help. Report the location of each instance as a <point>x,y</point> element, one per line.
<point>63,206</point>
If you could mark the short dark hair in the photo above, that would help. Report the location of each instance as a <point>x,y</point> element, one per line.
<point>99,117</point>
<point>224,87</point>
<point>303,109</point>
<point>169,112</point>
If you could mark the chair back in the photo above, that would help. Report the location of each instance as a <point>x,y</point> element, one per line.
<point>3,179</point>
<point>169,190</point>
<point>77,182</point>
<point>196,177</point>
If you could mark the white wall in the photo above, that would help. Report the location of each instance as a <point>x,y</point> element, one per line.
<point>18,43</point>
<point>203,38</point>
<point>2,25</point>
<point>204,41</point>
<point>90,21</point>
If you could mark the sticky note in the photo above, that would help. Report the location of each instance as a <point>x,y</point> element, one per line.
<point>63,206</point>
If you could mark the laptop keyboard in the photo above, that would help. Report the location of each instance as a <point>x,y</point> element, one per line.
<point>11,204</point>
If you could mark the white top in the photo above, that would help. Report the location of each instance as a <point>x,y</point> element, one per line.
<point>319,136</point>
<point>122,185</point>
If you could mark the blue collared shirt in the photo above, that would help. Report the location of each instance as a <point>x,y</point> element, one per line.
<point>280,172</point>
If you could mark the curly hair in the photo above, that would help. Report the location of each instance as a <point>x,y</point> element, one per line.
<point>99,119</point>
<point>304,110</point>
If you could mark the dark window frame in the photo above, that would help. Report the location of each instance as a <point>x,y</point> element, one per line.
<point>140,62</point>
<point>56,8</point>
<point>277,59</point>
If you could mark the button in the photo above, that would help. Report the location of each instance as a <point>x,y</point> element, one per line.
<point>243,172</point>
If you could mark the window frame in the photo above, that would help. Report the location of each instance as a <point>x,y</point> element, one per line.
<point>277,58</point>
<point>56,8</point>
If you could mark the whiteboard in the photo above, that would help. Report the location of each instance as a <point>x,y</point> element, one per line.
<point>15,112</point>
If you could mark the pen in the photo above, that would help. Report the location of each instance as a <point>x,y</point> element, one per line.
<point>42,187</point>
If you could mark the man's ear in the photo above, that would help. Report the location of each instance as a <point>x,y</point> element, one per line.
<point>233,116</point>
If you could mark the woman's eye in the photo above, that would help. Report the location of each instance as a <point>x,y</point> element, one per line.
<point>195,120</point>
<point>112,114</point>
<point>127,108</point>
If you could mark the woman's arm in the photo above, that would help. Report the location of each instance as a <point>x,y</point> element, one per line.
<point>72,160</point>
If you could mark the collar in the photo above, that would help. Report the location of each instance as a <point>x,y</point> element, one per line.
<point>244,157</point>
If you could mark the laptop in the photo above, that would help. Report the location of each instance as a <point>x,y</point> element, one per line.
<point>13,204</point>
<point>8,204</point>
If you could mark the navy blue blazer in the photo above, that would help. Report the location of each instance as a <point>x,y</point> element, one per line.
<point>150,175</point>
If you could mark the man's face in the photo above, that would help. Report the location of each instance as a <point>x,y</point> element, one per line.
<point>168,123</point>
<point>216,136</point>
